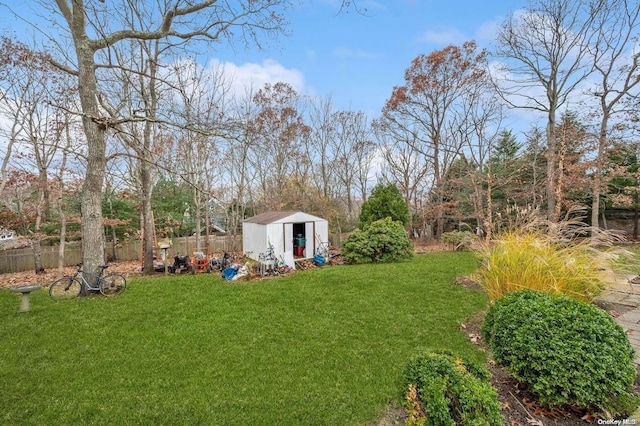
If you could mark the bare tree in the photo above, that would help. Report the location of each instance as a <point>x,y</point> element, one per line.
<point>322,132</point>
<point>68,129</point>
<point>408,168</point>
<point>351,152</point>
<point>617,68</point>
<point>97,27</point>
<point>429,103</point>
<point>33,89</point>
<point>546,57</point>
<point>478,130</point>
<point>237,191</point>
<point>281,132</point>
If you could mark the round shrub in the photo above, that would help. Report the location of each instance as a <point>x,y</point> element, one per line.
<point>566,351</point>
<point>384,240</point>
<point>445,390</point>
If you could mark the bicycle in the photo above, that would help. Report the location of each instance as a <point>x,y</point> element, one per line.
<point>70,287</point>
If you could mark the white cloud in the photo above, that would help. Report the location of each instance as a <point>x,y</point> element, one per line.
<point>487,32</point>
<point>256,75</point>
<point>443,36</point>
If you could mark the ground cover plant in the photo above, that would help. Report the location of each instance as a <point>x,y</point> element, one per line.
<point>445,390</point>
<point>324,346</point>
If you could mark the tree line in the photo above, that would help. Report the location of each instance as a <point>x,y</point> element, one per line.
<point>117,114</point>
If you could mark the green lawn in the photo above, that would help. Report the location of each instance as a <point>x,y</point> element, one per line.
<point>317,347</point>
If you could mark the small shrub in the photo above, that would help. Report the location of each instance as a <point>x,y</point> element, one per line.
<point>566,351</point>
<point>445,390</point>
<point>384,240</point>
<point>459,240</point>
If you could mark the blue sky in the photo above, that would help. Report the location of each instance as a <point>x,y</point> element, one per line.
<point>354,58</point>
<point>359,59</point>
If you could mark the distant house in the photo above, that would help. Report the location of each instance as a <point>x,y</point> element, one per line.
<point>291,234</point>
<point>7,235</point>
<point>218,216</point>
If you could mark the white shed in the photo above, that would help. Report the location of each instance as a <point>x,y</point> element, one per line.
<point>293,235</point>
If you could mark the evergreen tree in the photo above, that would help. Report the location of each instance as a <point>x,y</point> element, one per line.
<point>385,201</point>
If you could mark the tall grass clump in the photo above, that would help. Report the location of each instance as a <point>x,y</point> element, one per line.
<point>569,258</point>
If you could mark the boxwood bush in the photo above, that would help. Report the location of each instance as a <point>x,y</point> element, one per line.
<point>445,390</point>
<point>566,351</point>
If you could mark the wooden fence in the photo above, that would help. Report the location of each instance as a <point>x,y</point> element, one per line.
<point>17,260</point>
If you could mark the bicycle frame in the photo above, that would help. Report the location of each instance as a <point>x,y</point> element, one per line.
<point>80,274</point>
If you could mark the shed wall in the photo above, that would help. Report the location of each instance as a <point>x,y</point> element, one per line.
<point>275,236</point>
<point>254,239</point>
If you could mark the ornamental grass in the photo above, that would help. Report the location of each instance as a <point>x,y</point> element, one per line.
<point>568,257</point>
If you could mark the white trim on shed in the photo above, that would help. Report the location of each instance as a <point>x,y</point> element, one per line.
<point>284,230</point>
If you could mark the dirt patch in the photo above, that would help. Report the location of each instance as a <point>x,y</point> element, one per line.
<point>18,279</point>
<point>466,282</point>
<point>394,416</point>
<point>614,309</point>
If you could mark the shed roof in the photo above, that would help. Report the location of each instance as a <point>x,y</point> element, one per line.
<point>275,216</point>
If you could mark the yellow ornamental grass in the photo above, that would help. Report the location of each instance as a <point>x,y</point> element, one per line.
<point>535,261</point>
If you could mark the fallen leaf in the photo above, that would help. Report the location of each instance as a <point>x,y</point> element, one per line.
<point>475,338</point>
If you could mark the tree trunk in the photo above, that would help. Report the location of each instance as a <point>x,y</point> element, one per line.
<point>92,231</point>
<point>636,213</point>
<point>63,238</point>
<point>148,237</point>
<point>559,185</point>
<point>95,130</point>
<point>114,236</point>
<point>207,227</point>
<point>551,169</point>
<point>488,224</point>
<point>597,175</point>
<point>43,181</point>
<point>37,237</point>
<point>197,203</point>
<point>37,254</point>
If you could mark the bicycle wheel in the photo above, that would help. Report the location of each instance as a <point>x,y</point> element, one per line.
<point>113,284</point>
<point>65,288</point>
